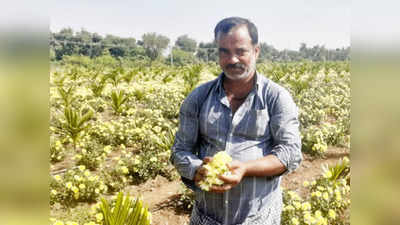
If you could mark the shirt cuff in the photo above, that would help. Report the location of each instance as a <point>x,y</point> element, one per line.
<point>291,160</point>
<point>188,170</point>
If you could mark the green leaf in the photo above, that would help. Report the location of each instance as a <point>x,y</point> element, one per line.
<point>121,215</point>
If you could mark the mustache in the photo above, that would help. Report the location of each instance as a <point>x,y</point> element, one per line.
<point>236,66</point>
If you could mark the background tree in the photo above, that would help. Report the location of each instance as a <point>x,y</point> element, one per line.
<point>66,42</point>
<point>267,52</point>
<point>154,44</point>
<point>207,51</point>
<point>62,43</point>
<point>119,47</point>
<point>181,57</point>
<point>185,43</point>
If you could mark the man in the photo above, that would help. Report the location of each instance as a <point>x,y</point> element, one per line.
<point>250,117</point>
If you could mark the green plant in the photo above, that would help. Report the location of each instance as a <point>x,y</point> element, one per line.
<point>75,185</point>
<point>117,99</point>
<point>73,72</point>
<point>115,75</point>
<point>67,95</point>
<point>90,153</point>
<point>129,75</point>
<point>340,170</point>
<point>191,77</point>
<point>148,164</point>
<point>166,139</point>
<point>57,150</point>
<point>58,79</point>
<point>121,214</point>
<point>186,199</point>
<point>97,87</point>
<point>139,94</point>
<point>114,178</point>
<point>327,203</point>
<point>76,122</point>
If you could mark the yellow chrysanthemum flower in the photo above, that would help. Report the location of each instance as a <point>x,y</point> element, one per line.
<point>68,185</point>
<point>297,205</point>
<point>306,206</point>
<point>90,223</point>
<point>327,174</point>
<point>82,168</point>
<point>57,177</point>
<point>99,217</point>
<point>295,221</point>
<point>153,159</point>
<point>71,223</point>
<point>75,189</point>
<point>58,223</point>
<point>325,196</point>
<point>124,170</point>
<point>332,214</point>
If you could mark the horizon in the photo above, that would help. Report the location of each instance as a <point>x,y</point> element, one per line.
<point>284,25</point>
<point>197,42</point>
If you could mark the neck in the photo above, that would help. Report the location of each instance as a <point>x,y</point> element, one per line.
<point>239,87</point>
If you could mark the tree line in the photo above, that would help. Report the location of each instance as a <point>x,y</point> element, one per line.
<point>185,49</point>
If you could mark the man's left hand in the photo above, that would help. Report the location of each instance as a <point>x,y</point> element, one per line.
<point>238,171</point>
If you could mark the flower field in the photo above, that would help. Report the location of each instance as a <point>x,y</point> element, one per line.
<point>112,125</point>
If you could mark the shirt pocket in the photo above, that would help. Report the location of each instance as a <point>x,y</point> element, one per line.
<point>254,124</point>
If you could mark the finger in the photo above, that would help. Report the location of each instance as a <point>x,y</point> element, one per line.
<point>202,171</point>
<point>197,178</point>
<point>229,179</point>
<point>199,175</point>
<point>234,164</point>
<point>207,160</point>
<point>221,188</point>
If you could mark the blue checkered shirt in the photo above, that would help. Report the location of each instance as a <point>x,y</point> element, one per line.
<point>266,123</point>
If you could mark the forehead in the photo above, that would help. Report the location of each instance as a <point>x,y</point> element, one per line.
<point>236,37</point>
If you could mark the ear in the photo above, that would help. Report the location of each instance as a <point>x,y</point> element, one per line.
<point>257,50</point>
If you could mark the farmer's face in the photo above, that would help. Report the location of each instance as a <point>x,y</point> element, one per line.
<point>237,55</point>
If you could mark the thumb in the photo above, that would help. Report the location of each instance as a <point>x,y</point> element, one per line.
<point>233,165</point>
<point>207,160</point>
<point>226,178</point>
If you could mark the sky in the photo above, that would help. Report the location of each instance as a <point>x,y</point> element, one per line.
<point>284,24</point>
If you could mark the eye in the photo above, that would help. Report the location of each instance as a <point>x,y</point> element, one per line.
<point>241,52</point>
<point>223,52</point>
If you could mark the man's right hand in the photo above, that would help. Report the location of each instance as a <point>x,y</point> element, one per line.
<point>201,172</point>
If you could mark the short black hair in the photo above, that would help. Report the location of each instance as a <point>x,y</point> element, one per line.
<point>227,24</point>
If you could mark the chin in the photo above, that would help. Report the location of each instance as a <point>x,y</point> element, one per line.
<point>237,76</point>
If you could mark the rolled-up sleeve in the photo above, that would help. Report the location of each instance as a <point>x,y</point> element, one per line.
<point>284,125</point>
<point>183,155</point>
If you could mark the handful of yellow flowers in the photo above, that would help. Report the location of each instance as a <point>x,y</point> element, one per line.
<point>216,167</point>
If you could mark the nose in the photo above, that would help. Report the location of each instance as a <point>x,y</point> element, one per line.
<point>233,59</point>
